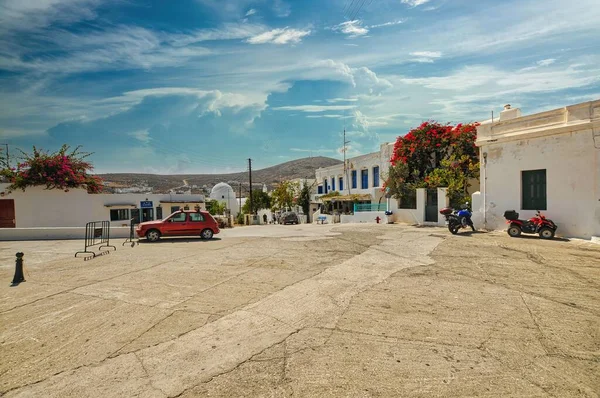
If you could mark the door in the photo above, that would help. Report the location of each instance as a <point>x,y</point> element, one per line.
<point>176,225</point>
<point>431,206</point>
<point>7,213</point>
<point>196,224</point>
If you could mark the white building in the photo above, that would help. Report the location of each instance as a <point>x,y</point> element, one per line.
<point>548,161</point>
<point>362,175</point>
<point>359,184</point>
<point>38,213</point>
<point>224,193</point>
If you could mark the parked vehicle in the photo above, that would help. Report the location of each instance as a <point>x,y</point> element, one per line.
<point>181,223</point>
<point>458,219</point>
<point>289,218</point>
<point>538,224</point>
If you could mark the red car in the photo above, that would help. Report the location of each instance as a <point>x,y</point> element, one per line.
<point>180,223</point>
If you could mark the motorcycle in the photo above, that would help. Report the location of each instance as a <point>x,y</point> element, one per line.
<point>538,224</point>
<point>458,219</point>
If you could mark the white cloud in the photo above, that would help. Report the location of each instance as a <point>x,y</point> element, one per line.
<point>546,62</point>
<point>319,150</point>
<point>28,15</point>
<point>425,56</point>
<point>281,8</point>
<point>279,36</point>
<point>415,3</point>
<point>314,108</point>
<point>251,11</point>
<point>352,28</point>
<point>391,23</point>
<point>333,100</point>
<point>363,79</point>
<point>328,115</point>
<point>141,135</point>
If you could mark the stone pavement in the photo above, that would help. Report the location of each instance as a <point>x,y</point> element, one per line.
<point>351,310</point>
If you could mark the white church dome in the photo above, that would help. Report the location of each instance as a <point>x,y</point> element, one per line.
<point>225,194</point>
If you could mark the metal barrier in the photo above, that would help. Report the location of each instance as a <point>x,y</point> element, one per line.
<point>359,207</point>
<point>132,239</point>
<point>96,233</point>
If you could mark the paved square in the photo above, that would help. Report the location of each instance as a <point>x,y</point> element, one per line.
<point>352,310</point>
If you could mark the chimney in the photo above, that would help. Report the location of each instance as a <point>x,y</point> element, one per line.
<point>509,113</point>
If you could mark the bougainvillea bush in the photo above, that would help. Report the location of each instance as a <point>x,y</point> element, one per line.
<point>435,155</point>
<point>59,170</point>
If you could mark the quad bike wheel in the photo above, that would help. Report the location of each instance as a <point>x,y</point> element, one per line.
<point>546,233</point>
<point>514,231</point>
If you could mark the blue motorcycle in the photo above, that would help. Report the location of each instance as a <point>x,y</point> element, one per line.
<point>458,219</point>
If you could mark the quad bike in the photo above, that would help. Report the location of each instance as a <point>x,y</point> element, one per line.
<point>538,224</point>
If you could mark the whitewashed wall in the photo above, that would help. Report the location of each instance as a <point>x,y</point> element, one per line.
<point>566,143</point>
<point>38,207</point>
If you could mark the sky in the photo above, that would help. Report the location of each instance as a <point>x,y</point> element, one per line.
<point>200,86</point>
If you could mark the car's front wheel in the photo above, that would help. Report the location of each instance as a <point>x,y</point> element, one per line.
<point>206,234</point>
<point>153,235</point>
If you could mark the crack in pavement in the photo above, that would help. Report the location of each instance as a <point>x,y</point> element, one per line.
<point>211,350</point>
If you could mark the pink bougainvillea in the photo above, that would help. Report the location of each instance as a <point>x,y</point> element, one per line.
<point>59,170</point>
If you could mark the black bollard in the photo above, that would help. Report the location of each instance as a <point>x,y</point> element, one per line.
<point>19,277</point>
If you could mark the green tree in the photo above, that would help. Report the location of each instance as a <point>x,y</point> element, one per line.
<point>304,196</point>
<point>284,195</point>
<point>260,200</point>
<point>215,207</point>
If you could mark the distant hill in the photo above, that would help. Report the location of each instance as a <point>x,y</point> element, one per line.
<point>300,168</point>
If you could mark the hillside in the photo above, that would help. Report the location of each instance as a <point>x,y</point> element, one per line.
<point>300,168</point>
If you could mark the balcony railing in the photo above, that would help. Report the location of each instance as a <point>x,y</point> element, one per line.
<point>359,207</point>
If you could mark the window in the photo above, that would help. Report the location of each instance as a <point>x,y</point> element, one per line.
<point>533,192</point>
<point>196,217</point>
<point>174,209</point>
<point>376,176</point>
<point>320,189</point>
<point>341,183</point>
<point>179,217</point>
<point>159,215</point>
<point>364,179</point>
<point>353,178</point>
<point>119,214</point>
<point>333,183</point>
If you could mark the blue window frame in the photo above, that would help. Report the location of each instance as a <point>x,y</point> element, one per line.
<point>341,183</point>
<point>364,179</point>
<point>353,178</point>
<point>320,189</point>
<point>376,176</point>
<point>333,183</point>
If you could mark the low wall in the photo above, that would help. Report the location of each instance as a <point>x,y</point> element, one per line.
<point>363,217</point>
<point>56,233</point>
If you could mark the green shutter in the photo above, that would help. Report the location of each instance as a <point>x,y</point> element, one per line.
<point>533,190</point>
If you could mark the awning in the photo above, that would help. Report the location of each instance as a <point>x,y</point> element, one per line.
<point>348,198</point>
<point>120,205</point>
<point>182,201</point>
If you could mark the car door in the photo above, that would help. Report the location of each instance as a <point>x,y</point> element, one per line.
<point>176,224</point>
<point>196,223</point>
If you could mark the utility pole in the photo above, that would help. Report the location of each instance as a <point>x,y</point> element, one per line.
<point>240,184</point>
<point>345,167</point>
<point>250,178</point>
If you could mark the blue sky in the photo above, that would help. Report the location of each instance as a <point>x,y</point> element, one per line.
<point>201,85</point>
